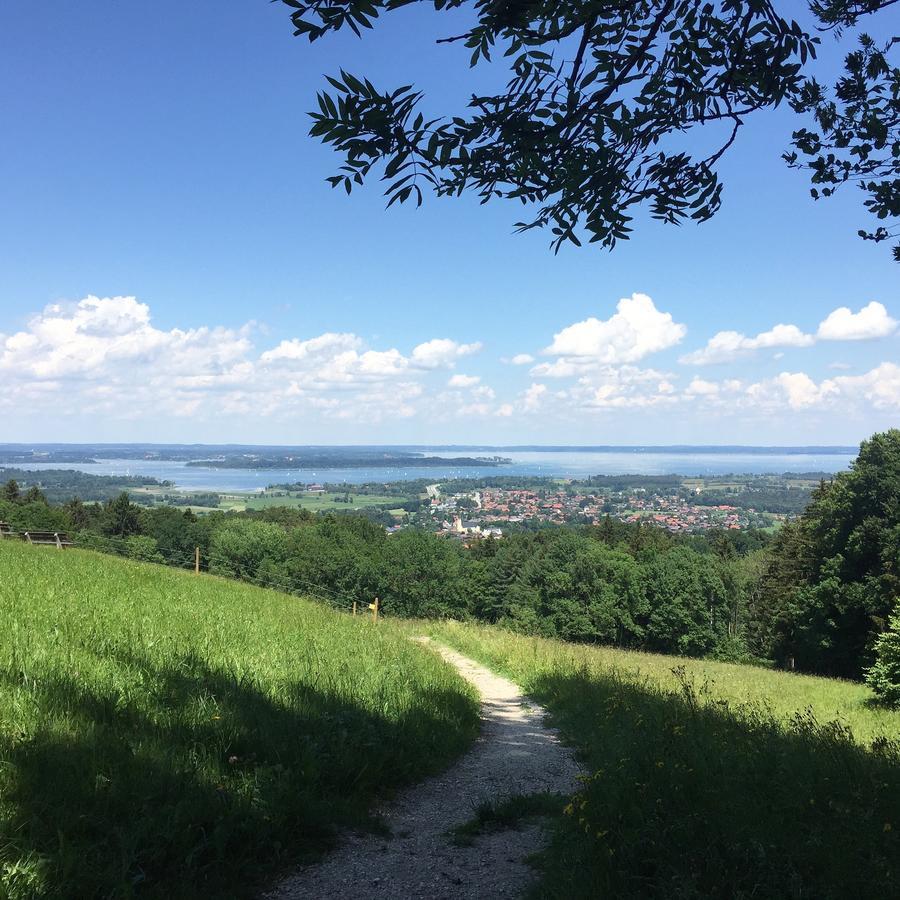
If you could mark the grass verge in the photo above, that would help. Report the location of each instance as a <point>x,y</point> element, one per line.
<point>709,780</point>
<point>168,735</point>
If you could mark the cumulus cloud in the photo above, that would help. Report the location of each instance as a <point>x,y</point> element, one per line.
<point>872,321</point>
<point>635,330</point>
<point>878,389</point>
<point>105,356</point>
<point>793,389</point>
<point>295,349</point>
<point>463,381</point>
<point>534,396</point>
<point>441,353</point>
<point>521,359</point>
<point>91,338</point>
<point>700,388</point>
<point>623,387</point>
<point>726,346</point>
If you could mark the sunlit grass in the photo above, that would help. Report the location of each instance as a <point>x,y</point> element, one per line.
<point>706,779</point>
<point>313,502</point>
<point>782,693</point>
<point>174,735</point>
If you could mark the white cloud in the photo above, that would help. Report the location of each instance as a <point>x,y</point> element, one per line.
<point>463,381</point>
<point>441,353</point>
<point>534,396</point>
<point>781,336</point>
<point>879,387</point>
<point>624,387</point>
<point>522,359</point>
<point>565,367</point>
<point>842,324</point>
<point>796,391</point>
<point>700,388</point>
<point>726,346</point>
<point>636,329</point>
<point>88,339</point>
<point>872,321</point>
<point>505,410</point>
<point>325,343</point>
<point>104,357</point>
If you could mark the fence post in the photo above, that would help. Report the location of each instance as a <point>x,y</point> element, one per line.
<point>196,560</point>
<point>354,607</point>
<point>375,610</point>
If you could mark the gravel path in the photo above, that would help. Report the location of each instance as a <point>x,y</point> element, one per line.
<point>515,753</point>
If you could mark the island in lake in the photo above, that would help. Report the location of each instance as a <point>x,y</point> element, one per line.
<point>361,460</point>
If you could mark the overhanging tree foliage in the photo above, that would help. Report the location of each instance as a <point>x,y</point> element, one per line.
<point>590,125</point>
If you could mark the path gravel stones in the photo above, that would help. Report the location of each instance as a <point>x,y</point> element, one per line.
<point>515,753</point>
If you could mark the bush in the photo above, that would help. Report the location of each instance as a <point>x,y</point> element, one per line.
<point>884,675</point>
<point>143,549</point>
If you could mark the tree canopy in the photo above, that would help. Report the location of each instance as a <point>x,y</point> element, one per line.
<point>835,573</point>
<point>593,120</point>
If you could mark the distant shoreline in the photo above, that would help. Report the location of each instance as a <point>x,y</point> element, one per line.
<point>339,462</point>
<point>343,454</point>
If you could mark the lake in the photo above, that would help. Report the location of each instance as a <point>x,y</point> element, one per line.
<point>547,463</point>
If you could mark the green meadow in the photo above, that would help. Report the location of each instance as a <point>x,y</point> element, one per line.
<point>707,779</point>
<point>170,735</point>
<point>301,500</point>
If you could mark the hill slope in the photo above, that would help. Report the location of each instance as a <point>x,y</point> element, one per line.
<point>174,735</point>
<point>708,779</point>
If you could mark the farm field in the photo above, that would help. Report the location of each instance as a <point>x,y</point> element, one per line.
<point>312,502</point>
<point>708,779</point>
<point>253,500</point>
<point>171,735</point>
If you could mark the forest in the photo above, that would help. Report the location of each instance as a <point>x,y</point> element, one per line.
<point>817,597</point>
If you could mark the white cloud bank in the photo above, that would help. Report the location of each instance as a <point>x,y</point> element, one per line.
<point>103,356</point>
<point>871,322</point>
<point>877,389</point>
<point>105,360</point>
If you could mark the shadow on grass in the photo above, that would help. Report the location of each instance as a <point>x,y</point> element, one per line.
<point>186,781</point>
<point>688,797</point>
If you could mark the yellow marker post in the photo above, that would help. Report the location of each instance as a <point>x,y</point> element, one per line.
<point>196,560</point>
<point>374,608</point>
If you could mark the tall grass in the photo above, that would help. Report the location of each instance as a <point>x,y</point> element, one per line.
<point>168,735</point>
<point>707,779</point>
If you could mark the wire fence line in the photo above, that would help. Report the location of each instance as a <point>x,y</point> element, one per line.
<point>181,558</point>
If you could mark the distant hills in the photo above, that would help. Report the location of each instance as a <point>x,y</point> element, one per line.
<point>356,456</point>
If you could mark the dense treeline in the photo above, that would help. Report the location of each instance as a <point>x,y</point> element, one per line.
<point>60,485</point>
<point>784,500</point>
<point>816,597</point>
<point>833,577</point>
<point>631,585</point>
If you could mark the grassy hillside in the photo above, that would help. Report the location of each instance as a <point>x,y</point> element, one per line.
<point>709,779</point>
<point>164,734</point>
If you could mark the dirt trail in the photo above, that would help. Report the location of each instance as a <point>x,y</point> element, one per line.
<point>515,753</point>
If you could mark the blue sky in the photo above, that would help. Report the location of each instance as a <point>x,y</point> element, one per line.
<point>174,267</point>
